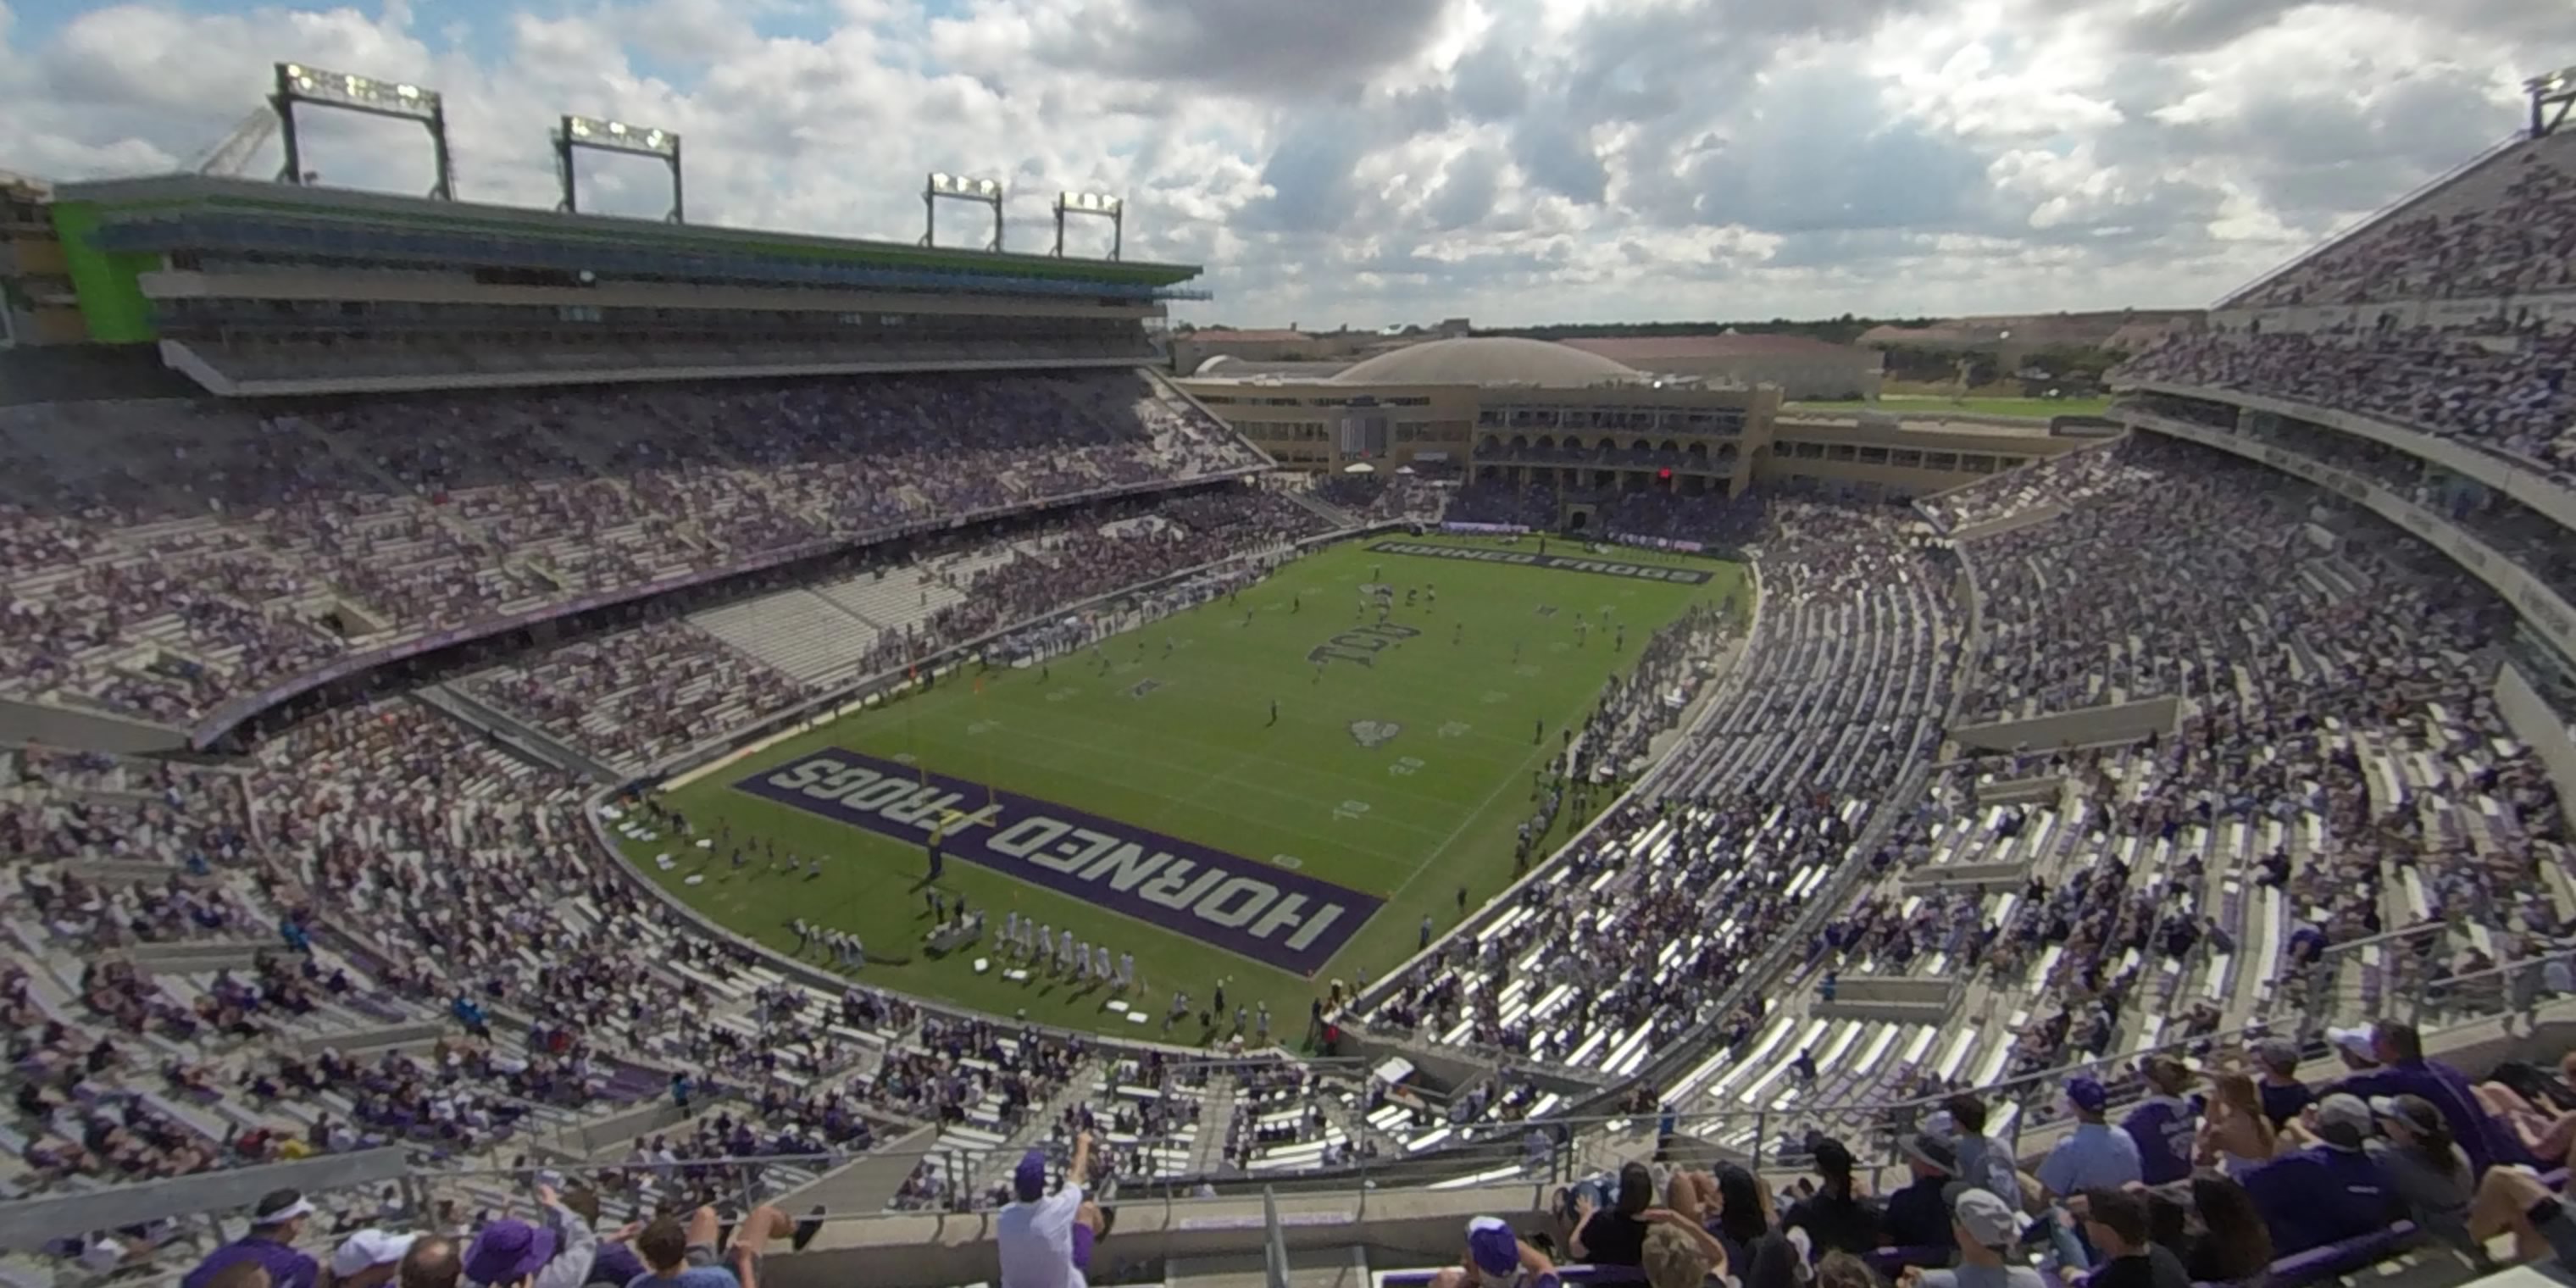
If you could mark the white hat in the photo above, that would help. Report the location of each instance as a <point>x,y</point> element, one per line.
<point>2356,1041</point>
<point>368,1249</point>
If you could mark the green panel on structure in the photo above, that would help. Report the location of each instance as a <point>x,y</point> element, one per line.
<point>549,226</point>
<point>111,298</point>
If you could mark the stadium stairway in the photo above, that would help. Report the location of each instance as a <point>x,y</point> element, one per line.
<point>517,736</point>
<point>995,1168</point>
<point>1341,519</point>
<point>1216,1115</point>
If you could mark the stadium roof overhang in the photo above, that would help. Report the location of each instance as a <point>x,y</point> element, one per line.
<point>199,212</point>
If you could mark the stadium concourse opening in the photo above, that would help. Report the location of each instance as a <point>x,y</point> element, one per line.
<point>1273,794</point>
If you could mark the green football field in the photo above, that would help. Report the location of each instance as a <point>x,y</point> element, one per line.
<point>1398,766</point>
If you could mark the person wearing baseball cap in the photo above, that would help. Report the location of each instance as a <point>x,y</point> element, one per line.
<point>2329,1190</point>
<point>1837,1217</point>
<point>2353,1047</point>
<point>1986,1229</point>
<point>2404,1071</point>
<point>1497,1258</point>
<point>1046,1241</point>
<point>2095,1155</point>
<point>275,1223</point>
<point>2283,1094</point>
<point>1918,1216</point>
<point>2425,1167</point>
<point>368,1258</point>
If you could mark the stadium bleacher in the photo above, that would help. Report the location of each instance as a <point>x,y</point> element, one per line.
<point>1818,921</point>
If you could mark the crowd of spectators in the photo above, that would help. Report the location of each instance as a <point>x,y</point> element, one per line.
<point>165,557</point>
<point>2503,392</point>
<point>1680,891</point>
<point>1376,498</point>
<point>2503,228</point>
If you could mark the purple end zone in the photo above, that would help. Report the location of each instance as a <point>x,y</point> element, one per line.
<point>1272,915</point>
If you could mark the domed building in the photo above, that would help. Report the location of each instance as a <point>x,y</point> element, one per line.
<point>1536,413</point>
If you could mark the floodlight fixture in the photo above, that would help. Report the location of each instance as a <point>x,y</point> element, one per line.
<point>1092,203</point>
<point>402,100</point>
<point>2552,98</point>
<point>610,135</point>
<point>958,187</point>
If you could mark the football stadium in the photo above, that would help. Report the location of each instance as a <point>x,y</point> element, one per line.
<point>550,748</point>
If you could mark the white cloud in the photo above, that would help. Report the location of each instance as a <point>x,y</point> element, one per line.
<point>1372,161</point>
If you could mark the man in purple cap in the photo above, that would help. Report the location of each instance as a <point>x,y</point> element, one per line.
<point>275,1221</point>
<point>511,1253</point>
<point>2095,1155</point>
<point>1046,1242</point>
<point>1496,1258</point>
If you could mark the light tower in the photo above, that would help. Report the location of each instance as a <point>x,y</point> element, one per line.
<point>982,192</point>
<point>1092,203</point>
<point>576,132</point>
<point>2552,97</point>
<point>297,83</point>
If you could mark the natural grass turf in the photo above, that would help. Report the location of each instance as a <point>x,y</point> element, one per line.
<point>1936,404</point>
<point>1414,820</point>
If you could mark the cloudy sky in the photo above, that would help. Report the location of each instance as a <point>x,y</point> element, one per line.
<point>1381,161</point>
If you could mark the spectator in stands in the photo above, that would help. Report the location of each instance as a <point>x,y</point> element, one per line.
<point>2094,1155</point>
<point>2354,1047</point>
<point>2115,1221</point>
<point>1837,1217</point>
<point>1496,1258</point>
<point>2165,1124</point>
<point>1845,1270</point>
<point>1983,1161</point>
<point>681,1255</point>
<point>2541,1221</point>
<point>2234,1245</point>
<point>1986,1228</point>
<point>2238,1132</point>
<point>276,1221</point>
<point>2283,1094</point>
<point>2403,1071</point>
<point>2425,1167</point>
<point>2329,1190</point>
<point>240,1274</point>
<point>557,1254</point>
<point>368,1258</point>
<point>1919,1215</point>
<point>1678,1254</point>
<point>1614,1236</point>
<point>1046,1242</point>
<point>431,1263</point>
<point>1733,1203</point>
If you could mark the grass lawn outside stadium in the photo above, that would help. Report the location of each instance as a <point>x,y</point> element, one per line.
<point>1402,778</point>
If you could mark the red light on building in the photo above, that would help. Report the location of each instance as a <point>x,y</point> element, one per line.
<point>1665,474</point>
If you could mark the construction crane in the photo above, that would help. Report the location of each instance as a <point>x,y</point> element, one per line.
<point>230,157</point>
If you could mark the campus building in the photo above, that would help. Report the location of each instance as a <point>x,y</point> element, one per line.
<point>1526,413</point>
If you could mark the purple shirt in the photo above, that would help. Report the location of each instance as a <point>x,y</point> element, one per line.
<point>2320,1195</point>
<point>2488,1143</point>
<point>287,1268</point>
<point>2163,1127</point>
